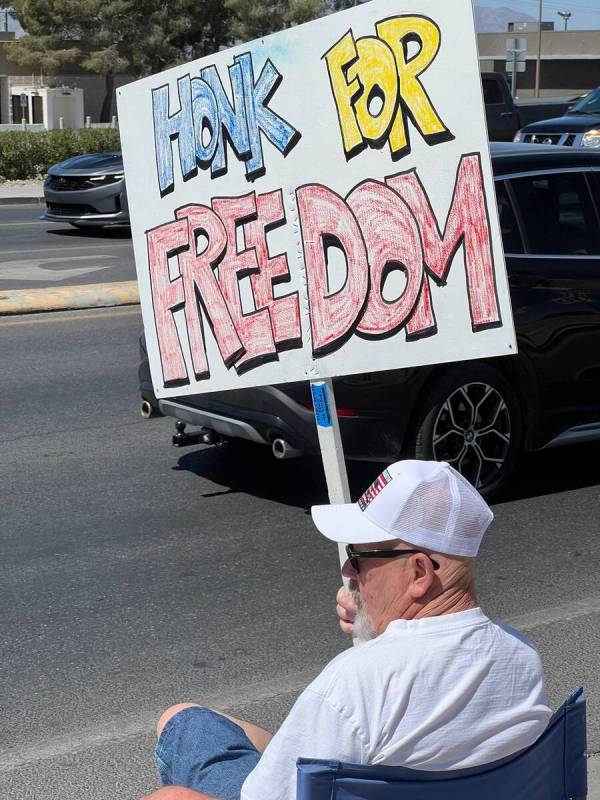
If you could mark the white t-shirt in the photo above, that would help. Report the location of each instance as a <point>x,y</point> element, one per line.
<point>437,693</point>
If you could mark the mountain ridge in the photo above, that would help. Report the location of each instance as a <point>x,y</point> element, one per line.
<point>495,20</point>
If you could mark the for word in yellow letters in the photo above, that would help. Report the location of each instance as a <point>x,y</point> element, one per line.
<point>376,86</point>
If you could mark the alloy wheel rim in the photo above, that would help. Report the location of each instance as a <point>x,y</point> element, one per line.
<point>472,432</point>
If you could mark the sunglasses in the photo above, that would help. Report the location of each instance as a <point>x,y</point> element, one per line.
<point>354,555</point>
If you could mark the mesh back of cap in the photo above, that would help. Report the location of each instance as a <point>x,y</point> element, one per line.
<point>447,510</point>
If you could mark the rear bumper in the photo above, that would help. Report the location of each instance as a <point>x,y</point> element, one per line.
<point>215,422</point>
<point>365,438</point>
<point>261,415</point>
<point>266,413</point>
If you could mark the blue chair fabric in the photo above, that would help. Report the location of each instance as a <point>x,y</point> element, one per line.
<point>553,768</point>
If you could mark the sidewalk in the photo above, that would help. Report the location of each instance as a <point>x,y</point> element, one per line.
<point>17,192</point>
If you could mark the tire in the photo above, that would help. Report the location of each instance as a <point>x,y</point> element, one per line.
<point>471,418</point>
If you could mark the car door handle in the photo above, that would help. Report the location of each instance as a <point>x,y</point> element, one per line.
<point>507,113</point>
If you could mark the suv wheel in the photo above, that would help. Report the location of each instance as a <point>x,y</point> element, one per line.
<point>471,418</point>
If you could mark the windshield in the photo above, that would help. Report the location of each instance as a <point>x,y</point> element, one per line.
<point>590,104</point>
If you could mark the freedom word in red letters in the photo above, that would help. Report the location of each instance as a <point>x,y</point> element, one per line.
<point>379,226</point>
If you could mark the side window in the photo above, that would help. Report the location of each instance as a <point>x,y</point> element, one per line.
<point>511,238</point>
<point>557,214</point>
<point>491,92</point>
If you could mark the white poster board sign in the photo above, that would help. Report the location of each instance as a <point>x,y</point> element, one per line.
<point>317,203</point>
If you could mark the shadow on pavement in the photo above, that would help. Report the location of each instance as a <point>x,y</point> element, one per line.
<point>244,468</point>
<point>561,469</point>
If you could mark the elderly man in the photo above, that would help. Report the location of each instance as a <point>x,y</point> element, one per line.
<point>434,685</point>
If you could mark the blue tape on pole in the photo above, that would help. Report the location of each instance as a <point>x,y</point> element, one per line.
<point>321,405</point>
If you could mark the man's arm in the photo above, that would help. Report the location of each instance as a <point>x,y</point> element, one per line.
<point>177,793</point>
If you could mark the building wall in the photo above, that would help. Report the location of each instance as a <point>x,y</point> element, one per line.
<point>554,43</point>
<point>70,75</point>
<point>570,62</point>
<point>93,91</point>
<point>570,78</point>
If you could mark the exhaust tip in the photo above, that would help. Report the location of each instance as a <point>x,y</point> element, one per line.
<point>146,409</point>
<point>282,449</point>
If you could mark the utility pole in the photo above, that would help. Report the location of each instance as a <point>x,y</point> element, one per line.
<point>539,53</point>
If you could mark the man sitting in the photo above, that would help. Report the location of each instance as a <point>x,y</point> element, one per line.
<point>434,685</point>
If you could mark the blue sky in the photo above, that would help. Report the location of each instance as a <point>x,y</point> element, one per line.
<point>585,13</point>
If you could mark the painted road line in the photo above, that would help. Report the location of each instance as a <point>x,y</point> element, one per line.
<point>60,247</point>
<point>41,269</point>
<point>553,614</point>
<point>96,295</point>
<point>16,224</point>
<point>69,316</point>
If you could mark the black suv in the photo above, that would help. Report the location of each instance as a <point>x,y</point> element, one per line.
<point>578,127</point>
<point>477,415</point>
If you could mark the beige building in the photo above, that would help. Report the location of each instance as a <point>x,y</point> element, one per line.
<point>15,79</point>
<point>570,62</point>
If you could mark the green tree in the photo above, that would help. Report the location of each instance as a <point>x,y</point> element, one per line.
<point>252,19</point>
<point>108,37</point>
<point>340,5</point>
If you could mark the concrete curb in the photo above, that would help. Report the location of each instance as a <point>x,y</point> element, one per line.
<point>64,298</point>
<point>21,201</point>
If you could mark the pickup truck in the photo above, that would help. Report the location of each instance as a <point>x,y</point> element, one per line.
<point>506,116</point>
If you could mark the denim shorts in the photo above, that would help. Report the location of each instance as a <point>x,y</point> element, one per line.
<point>203,750</point>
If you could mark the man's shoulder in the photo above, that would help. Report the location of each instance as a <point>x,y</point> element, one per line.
<point>515,638</point>
<point>348,667</point>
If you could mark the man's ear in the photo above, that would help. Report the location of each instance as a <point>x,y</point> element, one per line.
<point>422,576</point>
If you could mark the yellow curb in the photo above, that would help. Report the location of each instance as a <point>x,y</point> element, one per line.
<point>64,298</point>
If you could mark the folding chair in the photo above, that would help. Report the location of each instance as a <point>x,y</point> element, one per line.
<point>553,768</point>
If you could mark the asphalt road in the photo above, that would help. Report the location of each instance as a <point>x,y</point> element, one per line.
<point>134,575</point>
<point>35,253</point>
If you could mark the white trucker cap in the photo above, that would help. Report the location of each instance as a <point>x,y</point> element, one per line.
<point>425,503</point>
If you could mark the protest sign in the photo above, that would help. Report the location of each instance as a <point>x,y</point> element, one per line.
<point>317,203</point>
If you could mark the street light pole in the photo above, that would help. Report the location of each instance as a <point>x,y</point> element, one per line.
<point>566,15</point>
<point>539,53</point>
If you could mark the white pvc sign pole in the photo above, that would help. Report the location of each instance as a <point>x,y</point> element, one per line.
<point>332,451</point>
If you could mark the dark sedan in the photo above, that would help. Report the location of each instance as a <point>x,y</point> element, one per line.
<point>477,415</point>
<point>579,127</point>
<point>87,190</point>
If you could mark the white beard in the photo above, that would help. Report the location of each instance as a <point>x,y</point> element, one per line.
<point>364,630</point>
